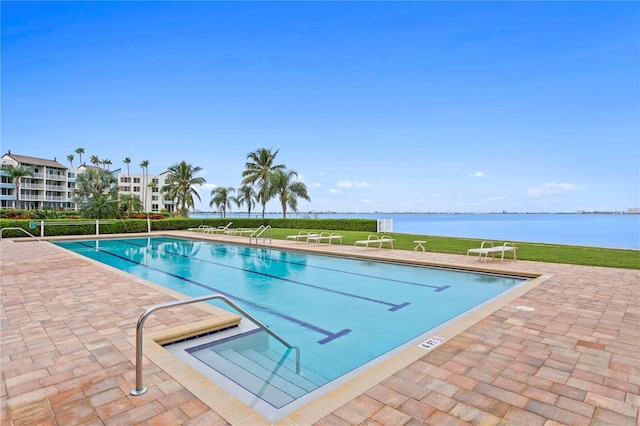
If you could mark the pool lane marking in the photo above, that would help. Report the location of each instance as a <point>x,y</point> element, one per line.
<point>329,335</point>
<point>393,306</point>
<point>436,288</point>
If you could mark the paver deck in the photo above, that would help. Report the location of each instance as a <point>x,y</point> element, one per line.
<point>68,352</point>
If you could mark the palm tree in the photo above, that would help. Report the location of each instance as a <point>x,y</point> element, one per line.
<point>222,199</point>
<point>129,204</point>
<point>145,170</point>
<point>287,189</point>
<point>127,161</point>
<point>246,195</point>
<point>102,206</point>
<point>180,181</point>
<point>95,160</point>
<point>15,174</point>
<point>80,151</point>
<point>94,182</point>
<point>70,158</point>
<point>258,167</point>
<point>106,162</point>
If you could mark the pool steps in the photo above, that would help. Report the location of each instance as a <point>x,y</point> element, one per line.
<point>253,365</point>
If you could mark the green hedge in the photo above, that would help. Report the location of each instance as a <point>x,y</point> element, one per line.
<point>125,226</point>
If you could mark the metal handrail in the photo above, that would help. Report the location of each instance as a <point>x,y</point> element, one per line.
<point>258,232</point>
<point>22,229</point>
<point>140,389</point>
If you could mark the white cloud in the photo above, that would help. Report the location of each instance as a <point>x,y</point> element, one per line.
<point>335,191</point>
<point>365,201</point>
<point>478,175</point>
<point>314,185</point>
<point>351,184</point>
<point>553,188</point>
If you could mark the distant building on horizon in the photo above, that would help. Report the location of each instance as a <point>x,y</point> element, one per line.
<point>52,186</point>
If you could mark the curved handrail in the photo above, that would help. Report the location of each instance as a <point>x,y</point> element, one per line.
<point>140,389</point>
<point>258,232</point>
<point>22,229</point>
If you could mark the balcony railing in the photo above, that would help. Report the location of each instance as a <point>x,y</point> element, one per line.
<point>57,188</point>
<point>54,176</point>
<point>32,186</point>
<point>31,197</point>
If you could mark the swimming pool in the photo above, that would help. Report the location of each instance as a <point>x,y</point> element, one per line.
<point>341,312</point>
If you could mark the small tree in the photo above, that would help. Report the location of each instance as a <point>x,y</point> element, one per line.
<point>287,189</point>
<point>15,174</point>
<point>246,195</point>
<point>222,199</point>
<point>180,182</point>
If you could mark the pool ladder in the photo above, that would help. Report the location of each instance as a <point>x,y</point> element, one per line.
<point>258,234</point>
<point>140,389</point>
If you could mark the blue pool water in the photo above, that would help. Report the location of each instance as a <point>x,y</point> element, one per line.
<point>341,312</point>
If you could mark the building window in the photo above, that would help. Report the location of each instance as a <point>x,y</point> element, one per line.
<point>155,189</point>
<point>154,198</point>
<point>136,180</point>
<point>136,189</point>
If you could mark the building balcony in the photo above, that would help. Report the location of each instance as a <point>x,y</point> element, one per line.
<point>55,198</point>
<point>37,186</point>
<point>53,176</point>
<point>32,198</point>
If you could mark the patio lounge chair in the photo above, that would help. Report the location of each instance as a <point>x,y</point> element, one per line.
<point>239,231</point>
<point>219,229</point>
<point>487,248</point>
<point>373,240</point>
<point>301,236</point>
<point>325,236</point>
<point>201,228</point>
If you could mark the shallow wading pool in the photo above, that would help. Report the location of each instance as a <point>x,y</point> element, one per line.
<point>342,313</point>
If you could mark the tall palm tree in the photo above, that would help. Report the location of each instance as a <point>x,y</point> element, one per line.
<point>246,195</point>
<point>222,199</point>
<point>80,151</point>
<point>288,190</point>
<point>145,170</point>
<point>95,160</point>
<point>106,162</point>
<point>180,180</point>
<point>15,174</point>
<point>70,159</point>
<point>127,161</point>
<point>258,167</point>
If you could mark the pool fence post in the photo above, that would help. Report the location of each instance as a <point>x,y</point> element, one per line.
<point>41,228</point>
<point>97,226</point>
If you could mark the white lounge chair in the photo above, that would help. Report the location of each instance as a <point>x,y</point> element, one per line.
<point>487,248</point>
<point>325,236</point>
<point>301,236</point>
<point>239,231</point>
<point>375,240</point>
<point>201,228</point>
<point>219,229</point>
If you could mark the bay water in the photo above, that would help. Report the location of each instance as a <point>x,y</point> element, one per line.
<point>597,230</point>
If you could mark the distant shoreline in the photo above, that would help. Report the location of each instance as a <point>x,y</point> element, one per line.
<point>423,213</point>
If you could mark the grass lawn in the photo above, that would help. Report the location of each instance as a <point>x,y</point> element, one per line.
<point>554,253</point>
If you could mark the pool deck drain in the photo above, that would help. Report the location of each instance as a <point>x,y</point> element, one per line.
<point>67,351</point>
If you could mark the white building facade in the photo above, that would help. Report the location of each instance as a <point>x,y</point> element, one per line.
<point>52,186</point>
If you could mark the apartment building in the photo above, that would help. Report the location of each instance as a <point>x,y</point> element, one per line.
<point>147,189</point>
<point>52,186</point>
<point>48,188</point>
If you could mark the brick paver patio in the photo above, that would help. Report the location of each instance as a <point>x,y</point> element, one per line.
<point>68,354</point>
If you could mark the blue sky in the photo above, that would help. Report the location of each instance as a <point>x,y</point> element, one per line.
<point>379,106</point>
